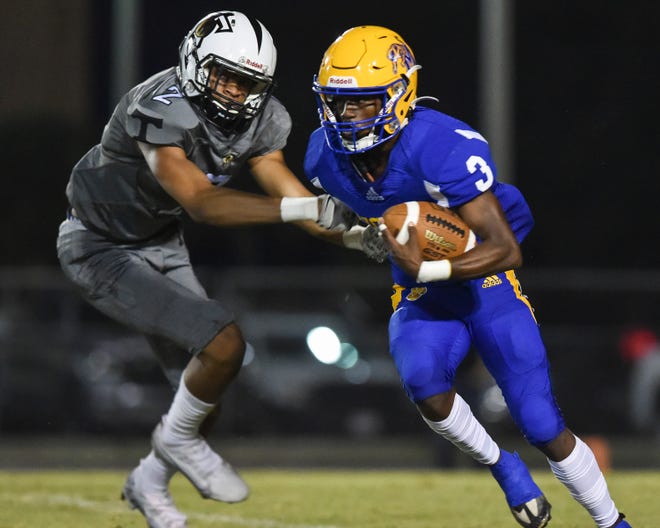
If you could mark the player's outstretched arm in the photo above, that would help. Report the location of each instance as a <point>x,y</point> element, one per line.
<point>220,206</point>
<point>277,179</point>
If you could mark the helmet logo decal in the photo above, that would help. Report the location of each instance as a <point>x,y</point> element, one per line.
<point>221,23</point>
<point>400,53</point>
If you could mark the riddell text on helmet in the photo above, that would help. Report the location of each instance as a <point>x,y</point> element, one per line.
<point>342,81</point>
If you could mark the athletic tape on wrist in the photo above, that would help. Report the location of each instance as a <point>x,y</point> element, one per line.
<point>299,208</point>
<point>437,270</point>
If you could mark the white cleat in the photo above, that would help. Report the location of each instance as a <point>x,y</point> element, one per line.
<point>213,477</point>
<point>157,507</point>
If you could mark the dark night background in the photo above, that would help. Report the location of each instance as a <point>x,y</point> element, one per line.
<point>586,87</point>
<point>586,110</point>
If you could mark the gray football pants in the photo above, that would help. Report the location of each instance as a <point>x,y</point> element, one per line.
<point>149,287</point>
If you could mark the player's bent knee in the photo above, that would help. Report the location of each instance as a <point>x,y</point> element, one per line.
<point>227,346</point>
<point>540,421</point>
<point>437,407</point>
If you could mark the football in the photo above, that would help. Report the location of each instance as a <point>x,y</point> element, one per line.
<point>441,232</point>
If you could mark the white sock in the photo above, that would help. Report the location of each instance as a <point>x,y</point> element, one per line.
<point>185,416</point>
<point>463,430</point>
<point>580,473</point>
<point>156,472</point>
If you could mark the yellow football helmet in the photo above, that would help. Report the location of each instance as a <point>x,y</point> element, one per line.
<point>364,62</point>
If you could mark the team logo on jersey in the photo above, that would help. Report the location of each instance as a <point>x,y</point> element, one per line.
<point>416,293</point>
<point>228,158</point>
<point>373,196</point>
<point>145,121</point>
<point>492,280</point>
<point>218,179</point>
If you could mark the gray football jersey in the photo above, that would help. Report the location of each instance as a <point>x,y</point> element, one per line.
<point>112,189</point>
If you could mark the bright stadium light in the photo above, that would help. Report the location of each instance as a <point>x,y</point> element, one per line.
<point>324,344</point>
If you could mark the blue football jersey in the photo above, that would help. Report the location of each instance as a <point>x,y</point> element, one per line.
<point>436,158</point>
<point>441,159</point>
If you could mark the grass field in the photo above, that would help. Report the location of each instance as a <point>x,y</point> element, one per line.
<point>313,499</point>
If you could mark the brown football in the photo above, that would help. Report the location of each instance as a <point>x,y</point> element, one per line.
<point>440,231</point>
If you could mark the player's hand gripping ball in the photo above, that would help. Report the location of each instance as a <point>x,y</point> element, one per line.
<point>441,232</point>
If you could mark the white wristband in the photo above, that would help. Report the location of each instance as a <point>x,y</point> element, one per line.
<point>299,208</point>
<point>352,238</point>
<point>436,270</point>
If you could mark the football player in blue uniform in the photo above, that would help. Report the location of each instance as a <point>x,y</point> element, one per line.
<point>170,146</point>
<point>376,148</point>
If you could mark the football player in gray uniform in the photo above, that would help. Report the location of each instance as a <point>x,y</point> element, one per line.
<point>170,146</point>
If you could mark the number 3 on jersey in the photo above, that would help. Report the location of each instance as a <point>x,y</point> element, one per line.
<point>475,163</point>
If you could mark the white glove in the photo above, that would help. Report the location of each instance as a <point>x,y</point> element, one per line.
<point>366,239</point>
<point>334,214</point>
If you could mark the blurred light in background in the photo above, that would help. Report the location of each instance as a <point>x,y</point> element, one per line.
<point>349,356</point>
<point>324,344</point>
<point>326,347</point>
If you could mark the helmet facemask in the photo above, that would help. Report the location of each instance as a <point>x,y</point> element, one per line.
<point>349,137</point>
<point>225,112</point>
<point>366,62</point>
